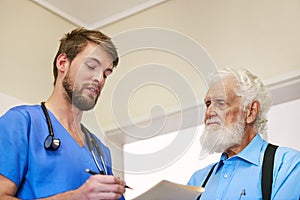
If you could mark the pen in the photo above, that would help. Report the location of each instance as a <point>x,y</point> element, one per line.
<point>243,193</point>
<point>94,173</point>
<point>102,173</point>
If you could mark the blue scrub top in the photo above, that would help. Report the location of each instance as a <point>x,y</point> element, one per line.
<point>38,172</point>
<point>239,177</point>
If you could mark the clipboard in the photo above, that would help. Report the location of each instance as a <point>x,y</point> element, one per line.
<point>167,190</point>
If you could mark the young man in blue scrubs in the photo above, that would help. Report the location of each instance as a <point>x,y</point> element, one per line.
<point>236,106</point>
<point>36,162</point>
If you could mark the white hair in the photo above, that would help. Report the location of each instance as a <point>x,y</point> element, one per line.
<point>250,88</point>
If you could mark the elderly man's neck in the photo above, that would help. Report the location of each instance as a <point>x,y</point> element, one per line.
<point>247,138</point>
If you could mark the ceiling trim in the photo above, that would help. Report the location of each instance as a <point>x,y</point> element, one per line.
<point>102,22</point>
<point>285,87</point>
<point>127,13</point>
<point>60,12</point>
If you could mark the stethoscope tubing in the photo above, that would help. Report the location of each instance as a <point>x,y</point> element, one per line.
<point>89,138</point>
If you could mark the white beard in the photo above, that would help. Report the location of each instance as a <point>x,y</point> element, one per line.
<point>217,138</point>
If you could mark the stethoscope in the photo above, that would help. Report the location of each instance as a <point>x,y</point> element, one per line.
<point>51,143</point>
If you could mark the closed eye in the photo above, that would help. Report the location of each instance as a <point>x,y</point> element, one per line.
<point>92,63</point>
<point>90,66</point>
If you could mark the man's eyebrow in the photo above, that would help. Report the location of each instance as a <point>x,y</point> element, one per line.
<point>219,99</point>
<point>94,59</point>
<point>214,99</point>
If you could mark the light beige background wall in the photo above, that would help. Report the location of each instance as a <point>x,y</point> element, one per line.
<point>29,41</point>
<point>261,35</point>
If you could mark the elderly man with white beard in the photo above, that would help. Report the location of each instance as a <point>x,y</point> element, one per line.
<point>235,120</point>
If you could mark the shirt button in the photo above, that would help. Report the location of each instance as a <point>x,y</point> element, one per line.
<point>225,176</point>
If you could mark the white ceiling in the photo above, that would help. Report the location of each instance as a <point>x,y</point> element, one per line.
<point>94,14</point>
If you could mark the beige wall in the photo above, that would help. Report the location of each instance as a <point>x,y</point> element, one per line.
<point>29,41</point>
<point>260,35</point>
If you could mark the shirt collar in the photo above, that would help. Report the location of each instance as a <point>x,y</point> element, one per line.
<point>251,153</point>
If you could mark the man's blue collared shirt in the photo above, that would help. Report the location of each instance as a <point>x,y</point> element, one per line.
<point>239,177</point>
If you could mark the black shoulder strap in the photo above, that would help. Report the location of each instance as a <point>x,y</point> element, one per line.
<point>267,171</point>
<point>206,179</point>
<point>208,175</point>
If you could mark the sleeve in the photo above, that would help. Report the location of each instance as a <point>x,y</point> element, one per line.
<point>13,145</point>
<point>286,174</point>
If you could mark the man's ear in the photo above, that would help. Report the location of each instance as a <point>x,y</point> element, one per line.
<point>62,62</point>
<point>252,112</point>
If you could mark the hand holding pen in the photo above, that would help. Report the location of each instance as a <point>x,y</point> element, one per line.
<point>102,173</point>
<point>98,187</point>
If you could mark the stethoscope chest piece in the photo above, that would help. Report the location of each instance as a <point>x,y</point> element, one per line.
<point>51,143</point>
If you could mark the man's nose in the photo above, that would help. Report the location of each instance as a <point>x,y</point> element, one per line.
<point>98,77</point>
<point>210,111</point>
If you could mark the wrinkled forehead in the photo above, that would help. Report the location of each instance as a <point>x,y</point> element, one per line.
<point>221,89</point>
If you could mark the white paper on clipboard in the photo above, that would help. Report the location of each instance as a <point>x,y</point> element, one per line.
<point>167,190</point>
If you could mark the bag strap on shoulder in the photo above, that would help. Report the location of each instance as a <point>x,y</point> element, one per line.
<point>206,179</point>
<point>208,175</point>
<point>267,171</point>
